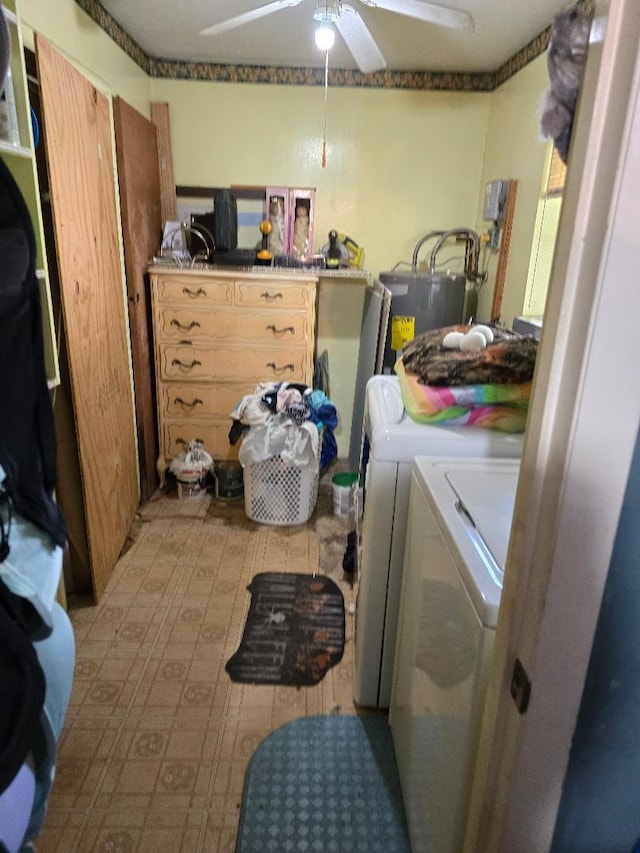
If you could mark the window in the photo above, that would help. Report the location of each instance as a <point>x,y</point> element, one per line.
<point>544,238</point>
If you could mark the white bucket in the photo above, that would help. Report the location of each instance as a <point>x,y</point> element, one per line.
<point>191,484</point>
<point>344,486</point>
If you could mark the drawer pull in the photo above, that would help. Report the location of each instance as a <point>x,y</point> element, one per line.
<point>177,363</point>
<point>270,296</point>
<point>186,443</point>
<point>277,369</point>
<point>189,292</point>
<point>192,325</point>
<point>271,327</point>
<point>178,401</point>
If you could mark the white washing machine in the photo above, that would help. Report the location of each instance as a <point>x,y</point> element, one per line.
<point>460,514</point>
<point>392,440</point>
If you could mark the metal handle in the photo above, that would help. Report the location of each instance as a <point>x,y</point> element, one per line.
<point>270,296</point>
<point>275,367</point>
<point>199,292</point>
<point>178,401</point>
<point>271,327</point>
<point>177,363</point>
<point>193,324</point>
<point>186,443</point>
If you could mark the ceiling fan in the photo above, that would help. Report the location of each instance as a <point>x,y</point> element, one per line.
<point>351,26</point>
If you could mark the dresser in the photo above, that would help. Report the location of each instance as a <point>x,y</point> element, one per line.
<point>217,334</point>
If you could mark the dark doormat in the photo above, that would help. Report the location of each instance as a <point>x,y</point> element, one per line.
<point>294,631</point>
<point>324,783</point>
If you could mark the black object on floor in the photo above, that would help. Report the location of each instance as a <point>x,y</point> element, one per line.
<point>349,558</point>
<point>324,783</point>
<point>294,631</point>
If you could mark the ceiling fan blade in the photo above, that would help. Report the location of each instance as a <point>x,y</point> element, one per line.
<point>359,40</point>
<point>429,12</point>
<point>247,17</point>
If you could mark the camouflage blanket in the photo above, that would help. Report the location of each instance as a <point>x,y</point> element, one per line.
<point>510,359</point>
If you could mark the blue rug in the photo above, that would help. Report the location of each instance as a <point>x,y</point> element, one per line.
<point>324,785</point>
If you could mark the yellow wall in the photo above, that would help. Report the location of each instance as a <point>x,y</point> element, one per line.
<point>515,150</point>
<point>82,41</point>
<point>399,163</point>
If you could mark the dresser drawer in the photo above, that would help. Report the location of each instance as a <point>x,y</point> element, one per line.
<point>214,436</point>
<point>276,294</point>
<point>201,291</point>
<point>197,401</point>
<point>270,364</point>
<point>220,324</point>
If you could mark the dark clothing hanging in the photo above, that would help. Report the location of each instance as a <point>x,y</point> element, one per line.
<point>23,686</point>
<point>27,432</point>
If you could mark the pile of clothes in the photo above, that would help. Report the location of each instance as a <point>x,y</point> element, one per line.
<point>285,419</point>
<point>488,387</point>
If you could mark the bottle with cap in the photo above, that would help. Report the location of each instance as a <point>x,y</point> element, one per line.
<point>333,254</point>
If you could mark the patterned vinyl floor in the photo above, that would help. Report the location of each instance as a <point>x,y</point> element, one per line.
<point>157,739</point>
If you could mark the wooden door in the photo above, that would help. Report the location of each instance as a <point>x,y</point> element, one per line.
<point>82,185</point>
<point>139,180</point>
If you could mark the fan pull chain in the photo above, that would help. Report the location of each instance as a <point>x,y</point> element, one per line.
<point>324,128</point>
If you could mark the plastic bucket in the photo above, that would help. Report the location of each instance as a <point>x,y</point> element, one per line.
<point>229,481</point>
<point>190,484</point>
<point>344,486</point>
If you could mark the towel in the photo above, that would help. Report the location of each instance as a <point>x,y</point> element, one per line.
<point>500,407</point>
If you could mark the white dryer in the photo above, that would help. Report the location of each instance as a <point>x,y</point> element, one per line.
<point>460,514</point>
<point>392,440</point>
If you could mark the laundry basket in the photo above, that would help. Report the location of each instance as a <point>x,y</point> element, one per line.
<point>279,493</point>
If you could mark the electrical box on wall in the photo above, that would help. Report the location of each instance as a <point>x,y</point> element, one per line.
<point>495,198</point>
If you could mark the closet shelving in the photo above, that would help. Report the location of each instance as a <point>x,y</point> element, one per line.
<point>21,160</point>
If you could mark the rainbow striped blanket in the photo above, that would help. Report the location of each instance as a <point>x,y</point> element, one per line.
<point>499,407</point>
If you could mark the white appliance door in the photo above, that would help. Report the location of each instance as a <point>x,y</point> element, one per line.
<point>444,644</point>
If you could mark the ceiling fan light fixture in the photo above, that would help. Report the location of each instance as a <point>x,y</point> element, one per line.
<point>324,37</point>
<point>327,11</point>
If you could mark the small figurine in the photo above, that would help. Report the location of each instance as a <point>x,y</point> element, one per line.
<point>264,256</point>
<point>334,255</point>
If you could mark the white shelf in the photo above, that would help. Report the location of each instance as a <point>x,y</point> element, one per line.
<point>15,150</point>
<point>21,160</point>
<point>10,16</point>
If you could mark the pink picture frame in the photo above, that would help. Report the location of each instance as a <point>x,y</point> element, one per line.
<point>302,211</point>
<point>278,212</point>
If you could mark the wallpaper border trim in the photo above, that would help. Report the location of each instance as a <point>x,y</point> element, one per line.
<point>282,76</point>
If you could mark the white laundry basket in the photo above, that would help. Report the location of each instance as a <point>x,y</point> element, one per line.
<point>279,493</point>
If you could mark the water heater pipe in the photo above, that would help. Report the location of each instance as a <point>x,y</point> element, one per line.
<point>472,253</point>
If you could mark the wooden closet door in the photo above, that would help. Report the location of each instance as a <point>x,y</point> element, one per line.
<point>82,184</point>
<point>139,180</point>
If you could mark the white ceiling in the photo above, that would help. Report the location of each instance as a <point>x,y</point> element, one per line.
<point>169,29</point>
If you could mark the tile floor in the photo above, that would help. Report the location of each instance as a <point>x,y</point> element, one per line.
<point>157,738</point>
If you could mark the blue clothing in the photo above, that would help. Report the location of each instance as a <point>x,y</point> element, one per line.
<point>32,570</point>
